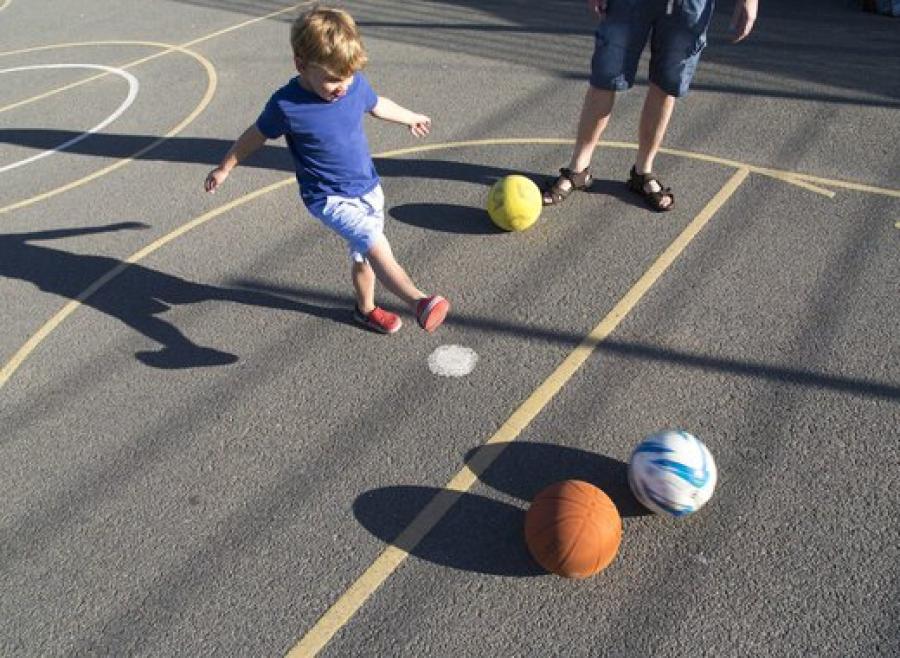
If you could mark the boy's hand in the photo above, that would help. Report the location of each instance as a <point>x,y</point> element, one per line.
<point>420,125</point>
<point>598,7</point>
<point>742,19</point>
<point>215,178</point>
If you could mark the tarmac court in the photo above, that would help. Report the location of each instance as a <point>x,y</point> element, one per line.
<point>201,454</point>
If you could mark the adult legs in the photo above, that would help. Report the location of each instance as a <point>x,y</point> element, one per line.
<point>655,115</point>
<point>595,113</point>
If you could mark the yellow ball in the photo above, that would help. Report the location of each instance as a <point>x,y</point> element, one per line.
<point>514,203</point>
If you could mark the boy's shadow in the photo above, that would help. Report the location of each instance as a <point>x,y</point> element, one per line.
<point>137,296</point>
<point>479,533</point>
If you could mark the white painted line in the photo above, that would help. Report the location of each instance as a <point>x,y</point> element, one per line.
<point>132,93</point>
<point>452,361</point>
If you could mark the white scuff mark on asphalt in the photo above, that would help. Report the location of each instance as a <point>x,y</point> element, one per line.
<point>452,361</point>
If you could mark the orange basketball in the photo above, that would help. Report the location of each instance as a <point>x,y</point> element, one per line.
<point>573,529</point>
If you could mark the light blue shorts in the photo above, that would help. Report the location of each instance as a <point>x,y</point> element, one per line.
<point>359,220</point>
<point>676,41</point>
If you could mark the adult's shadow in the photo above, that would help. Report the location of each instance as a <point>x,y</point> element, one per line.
<point>522,469</point>
<point>133,294</point>
<point>476,534</point>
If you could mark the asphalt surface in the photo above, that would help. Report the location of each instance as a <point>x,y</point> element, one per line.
<point>200,453</point>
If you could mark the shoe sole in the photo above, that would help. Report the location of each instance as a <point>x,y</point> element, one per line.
<point>433,315</point>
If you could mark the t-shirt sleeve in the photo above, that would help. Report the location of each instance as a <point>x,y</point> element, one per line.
<point>370,98</point>
<point>271,122</point>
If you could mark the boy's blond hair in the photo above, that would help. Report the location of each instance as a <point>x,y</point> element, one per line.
<point>328,38</point>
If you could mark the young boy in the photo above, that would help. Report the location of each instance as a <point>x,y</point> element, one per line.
<point>320,113</point>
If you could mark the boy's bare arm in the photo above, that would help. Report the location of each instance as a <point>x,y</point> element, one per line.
<point>418,124</point>
<point>246,144</point>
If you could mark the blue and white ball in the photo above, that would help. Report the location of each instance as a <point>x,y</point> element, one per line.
<point>672,472</point>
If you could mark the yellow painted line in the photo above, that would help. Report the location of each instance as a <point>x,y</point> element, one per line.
<point>57,90</point>
<point>392,557</point>
<point>10,367</point>
<point>847,185</point>
<point>71,306</point>
<point>792,177</point>
<point>168,49</point>
<point>226,30</point>
<point>211,83</point>
<point>785,176</point>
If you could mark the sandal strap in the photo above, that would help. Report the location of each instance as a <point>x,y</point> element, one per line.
<point>643,179</point>
<point>638,182</point>
<point>555,193</point>
<point>579,179</point>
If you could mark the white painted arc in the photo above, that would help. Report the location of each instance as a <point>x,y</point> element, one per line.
<point>132,94</point>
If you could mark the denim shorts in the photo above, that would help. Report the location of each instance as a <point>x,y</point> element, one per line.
<point>676,41</point>
<point>359,220</point>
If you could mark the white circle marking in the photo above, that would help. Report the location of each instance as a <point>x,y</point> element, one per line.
<point>132,93</point>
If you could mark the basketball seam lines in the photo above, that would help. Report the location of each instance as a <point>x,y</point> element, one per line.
<point>565,556</point>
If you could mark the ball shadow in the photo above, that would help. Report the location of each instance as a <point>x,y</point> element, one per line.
<point>523,469</point>
<point>476,534</point>
<point>445,217</point>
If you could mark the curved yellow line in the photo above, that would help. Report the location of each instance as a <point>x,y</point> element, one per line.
<point>168,49</point>
<point>192,42</point>
<point>794,178</point>
<point>71,306</point>
<point>212,82</point>
<point>19,357</point>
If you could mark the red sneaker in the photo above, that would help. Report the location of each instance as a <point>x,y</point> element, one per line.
<point>431,311</point>
<point>384,322</point>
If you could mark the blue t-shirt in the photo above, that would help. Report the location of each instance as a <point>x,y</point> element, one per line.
<point>326,139</point>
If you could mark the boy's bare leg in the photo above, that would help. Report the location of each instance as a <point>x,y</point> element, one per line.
<point>364,284</point>
<point>598,105</point>
<point>655,115</point>
<point>391,274</point>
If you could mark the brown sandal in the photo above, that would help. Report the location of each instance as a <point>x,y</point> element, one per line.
<point>555,193</point>
<point>639,183</point>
